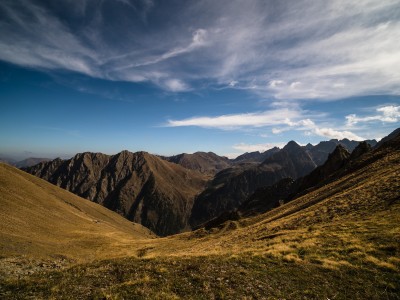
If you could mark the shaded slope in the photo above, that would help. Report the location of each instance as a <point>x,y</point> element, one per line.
<point>232,186</point>
<point>204,162</point>
<point>391,136</point>
<point>139,186</point>
<point>40,219</point>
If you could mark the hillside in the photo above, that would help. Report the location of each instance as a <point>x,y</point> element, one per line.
<point>139,186</point>
<point>39,219</point>
<point>338,241</point>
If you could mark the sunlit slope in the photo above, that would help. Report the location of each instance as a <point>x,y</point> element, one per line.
<point>40,219</point>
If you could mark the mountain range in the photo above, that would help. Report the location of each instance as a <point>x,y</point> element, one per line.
<point>169,195</point>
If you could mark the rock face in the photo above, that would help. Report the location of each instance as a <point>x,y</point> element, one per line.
<point>140,186</point>
<point>204,162</point>
<point>232,186</point>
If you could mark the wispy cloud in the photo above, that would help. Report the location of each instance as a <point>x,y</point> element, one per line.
<point>311,128</point>
<point>281,120</point>
<point>235,121</point>
<point>175,85</point>
<point>198,40</point>
<point>336,134</point>
<point>288,50</point>
<point>384,114</point>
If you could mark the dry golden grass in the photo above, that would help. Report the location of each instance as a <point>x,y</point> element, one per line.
<point>39,219</point>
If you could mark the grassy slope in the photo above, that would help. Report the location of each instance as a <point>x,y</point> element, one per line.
<point>341,241</point>
<point>39,219</point>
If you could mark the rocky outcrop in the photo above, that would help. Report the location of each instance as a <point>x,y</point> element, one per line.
<point>140,186</point>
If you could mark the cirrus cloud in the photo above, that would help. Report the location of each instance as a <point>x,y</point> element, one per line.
<point>288,50</point>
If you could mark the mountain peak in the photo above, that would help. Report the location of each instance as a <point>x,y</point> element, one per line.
<point>292,146</point>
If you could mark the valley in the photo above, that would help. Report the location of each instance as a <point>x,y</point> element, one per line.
<point>338,239</point>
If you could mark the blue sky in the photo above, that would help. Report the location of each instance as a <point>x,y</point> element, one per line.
<point>182,76</point>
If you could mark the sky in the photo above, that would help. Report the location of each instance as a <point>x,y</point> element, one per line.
<point>174,76</point>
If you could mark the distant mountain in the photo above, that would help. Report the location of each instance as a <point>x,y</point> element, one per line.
<point>204,162</point>
<point>256,156</point>
<point>287,189</point>
<point>320,152</point>
<point>31,161</point>
<point>340,163</point>
<point>8,161</point>
<point>140,186</point>
<point>232,186</point>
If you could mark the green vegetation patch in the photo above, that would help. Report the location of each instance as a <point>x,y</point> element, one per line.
<point>212,277</point>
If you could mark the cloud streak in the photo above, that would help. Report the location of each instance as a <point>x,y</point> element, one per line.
<point>281,120</point>
<point>384,114</point>
<point>235,121</point>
